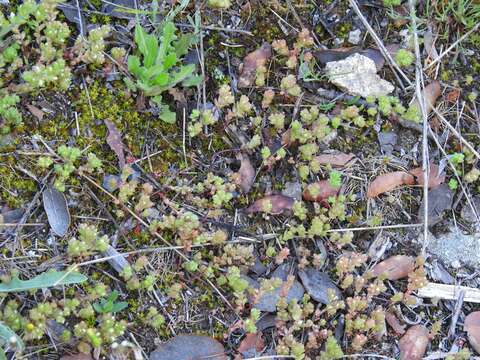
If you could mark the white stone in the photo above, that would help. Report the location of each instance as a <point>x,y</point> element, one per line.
<point>357,75</point>
<point>354,37</point>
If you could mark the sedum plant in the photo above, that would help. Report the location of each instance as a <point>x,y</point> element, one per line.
<point>158,65</point>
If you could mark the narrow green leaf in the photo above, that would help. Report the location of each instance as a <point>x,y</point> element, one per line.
<point>161,80</point>
<point>98,308</point>
<point>119,306</point>
<point>182,74</point>
<point>183,44</point>
<point>133,63</point>
<point>2,354</point>
<point>168,35</point>
<point>167,115</point>
<point>154,71</point>
<point>140,39</point>
<point>193,80</point>
<point>7,335</point>
<point>152,49</point>
<point>170,60</point>
<point>44,280</point>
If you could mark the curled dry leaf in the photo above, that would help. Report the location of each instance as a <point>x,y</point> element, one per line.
<point>388,182</point>
<point>431,92</point>
<point>252,343</point>
<point>472,326</point>
<point>414,343</point>
<point>271,204</point>
<point>251,63</point>
<point>319,191</point>
<point>56,207</point>
<point>434,178</point>
<point>246,174</point>
<point>35,111</point>
<point>114,140</point>
<point>395,267</point>
<point>337,159</point>
<point>328,55</point>
<point>189,347</point>
<point>394,323</point>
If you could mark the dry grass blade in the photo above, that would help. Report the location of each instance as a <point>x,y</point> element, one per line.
<point>419,87</point>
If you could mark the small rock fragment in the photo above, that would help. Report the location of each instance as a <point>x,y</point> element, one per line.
<point>293,190</point>
<point>355,36</point>
<point>456,249</point>
<point>317,285</point>
<point>357,75</point>
<point>387,141</point>
<point>467,211</point>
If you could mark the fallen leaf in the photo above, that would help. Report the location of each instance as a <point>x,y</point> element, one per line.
<point>251,63</point>
<point>395,267</point>
<point>440,199</point>
<point>319,191</point>
<point>388,182</point>
<point>394,323</point>
<point>338,159</point>
<point>114,140</point>
<point>431,92</point>
<point>271,204</point>
<point>189,347</point>
<point>178,96</point>
<point>453,95</point>
<point>252,343</point>
<point>267,300</point>
<point>55,206</point>
<point>35,111</point>
<point>414,343</point>
<point>434,178</point>
<point>115,259</point>
<point>324,56</point>
<point>246,174</point>
<point>318,284</point>
<point>472,326</point>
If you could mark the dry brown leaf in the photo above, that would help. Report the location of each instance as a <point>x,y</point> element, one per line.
<point>271,204</point>
<point>252,61</point>
<point>394,323</point>
<point>414,343</point>
<point>431,92</point>
<point>35,111</point>
<point>453,95</point>
<point>114,140</point>
<point>472,326</point>
<point>327,55</point>
<point>434,178</point>
<point>338,159</point>
<point>388,182</point>
<point>252,342</point>
<point>395,267</point>
<point>246,174</point>
<point>319,191</point>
